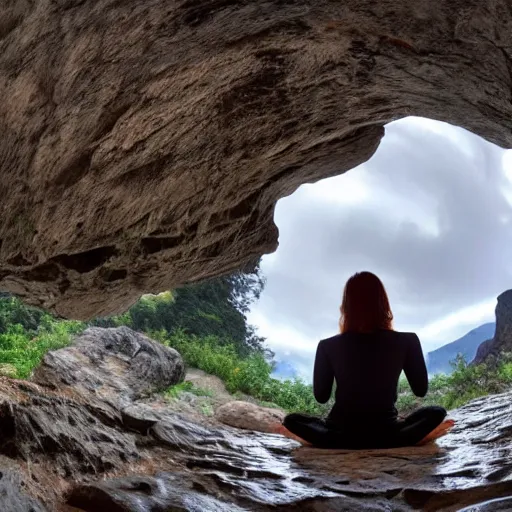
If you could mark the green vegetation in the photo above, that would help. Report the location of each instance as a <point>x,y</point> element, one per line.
<point>187,386</point>
<point>216,307</point>
<point>207,324</point>
<point>465,383</point>
<point>14,312</point>
<point>249,375</point>
<point>21,349</point>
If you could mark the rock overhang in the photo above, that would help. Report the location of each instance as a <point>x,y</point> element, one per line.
<point>144,145</point>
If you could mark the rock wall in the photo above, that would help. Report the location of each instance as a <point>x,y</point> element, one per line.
<point>144,144</point>
<point>501,343</point>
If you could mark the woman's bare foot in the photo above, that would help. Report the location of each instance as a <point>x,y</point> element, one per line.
<point>281,429</point>
<point>438,432</point>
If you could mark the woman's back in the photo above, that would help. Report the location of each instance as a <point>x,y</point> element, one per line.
<point>366,360</point>
<point>367,368</point>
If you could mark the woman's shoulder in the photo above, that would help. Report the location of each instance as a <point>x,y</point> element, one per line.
<point>406,334</point>
<point>331,339</point>
<point>390,334</point>
<point>403,335</point>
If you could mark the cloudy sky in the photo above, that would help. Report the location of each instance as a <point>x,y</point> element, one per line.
<point>430,213</point>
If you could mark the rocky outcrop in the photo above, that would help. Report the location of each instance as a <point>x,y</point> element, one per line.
<point>116,365</point>
<point>249,416</point>
<point>144,144</point>
<point>61,432</point>
<point>64,444</point>
<point>469,465</point>
<point>501,344</point>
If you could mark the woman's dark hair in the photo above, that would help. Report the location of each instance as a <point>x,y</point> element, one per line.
<point>365,306</point>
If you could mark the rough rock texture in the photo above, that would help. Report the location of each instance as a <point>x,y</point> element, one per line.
<point>249,416</point>
<point>499,504</point>
<point>59,436</point>
<point>471,464</point>
<point>502,342</point>
<point>144,144</point>
<point>66,447</point>
<point>164,491</point>
<point>13,498</point>
<point>117,365</point>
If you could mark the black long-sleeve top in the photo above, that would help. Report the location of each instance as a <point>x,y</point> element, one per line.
<point>366,368</point>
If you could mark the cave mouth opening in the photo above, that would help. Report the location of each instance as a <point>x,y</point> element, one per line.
<point>430,213</point>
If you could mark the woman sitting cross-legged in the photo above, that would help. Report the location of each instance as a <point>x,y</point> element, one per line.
<point>366,361</point>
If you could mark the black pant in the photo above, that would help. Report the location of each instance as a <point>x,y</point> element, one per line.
<point>327,434</point>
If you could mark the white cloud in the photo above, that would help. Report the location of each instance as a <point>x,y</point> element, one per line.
<point>430,214</point>
<point>458,322</point>
<point>507,164</point>
<point>507,167</point>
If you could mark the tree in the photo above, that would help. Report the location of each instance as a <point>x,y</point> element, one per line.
<point>219,307</point>
<point>215,307</point>
<point>246,286</point>
<point>14,312</point>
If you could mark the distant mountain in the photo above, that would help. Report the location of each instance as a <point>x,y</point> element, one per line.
<point>438,361</point>
<point>284,371</point>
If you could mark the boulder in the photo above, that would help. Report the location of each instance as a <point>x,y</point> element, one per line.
<point>144,144</point>
<point>501,344</point>
<point>249,416</point>
<point>118,365</point>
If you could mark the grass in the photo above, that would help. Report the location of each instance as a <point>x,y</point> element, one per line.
<point>466,383</point>
<point>21,351</point>
<point>187,386</point>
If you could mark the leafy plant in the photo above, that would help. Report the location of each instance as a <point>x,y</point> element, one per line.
<point>24,350</point>
<point>176,390</point>
<point>465,383</point>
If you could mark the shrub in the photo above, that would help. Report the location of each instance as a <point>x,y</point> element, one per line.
<point>249,375</point>
<point>24,350</point>
<point>465,383</point>
<point>187,386</point>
